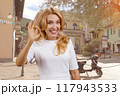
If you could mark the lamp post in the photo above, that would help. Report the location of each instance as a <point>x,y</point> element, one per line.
<point>5,19</point>
<point>9,16</point>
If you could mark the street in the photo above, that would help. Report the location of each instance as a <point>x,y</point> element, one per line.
<point>110,68</point>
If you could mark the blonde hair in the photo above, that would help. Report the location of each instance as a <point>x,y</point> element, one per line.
<point>62,39</point>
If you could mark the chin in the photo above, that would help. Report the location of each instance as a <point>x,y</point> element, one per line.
<point>53,36</point>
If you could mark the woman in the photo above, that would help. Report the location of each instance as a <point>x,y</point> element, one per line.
<point>53,51</point>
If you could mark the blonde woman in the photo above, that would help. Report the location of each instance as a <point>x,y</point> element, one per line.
<point>52,50</point>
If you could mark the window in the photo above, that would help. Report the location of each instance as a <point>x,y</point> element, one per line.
<point>111,31</point>
<point>118,32</point>
<point>74,26</point>
<point>108,33</point>
<point>114,30</point>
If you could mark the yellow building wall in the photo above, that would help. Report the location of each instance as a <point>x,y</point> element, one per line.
<point>6,30</point>
<point>6,41</point>
<point>100,34</point>
<point>70,24</point>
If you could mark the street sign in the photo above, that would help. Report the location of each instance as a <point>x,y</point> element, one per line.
<point>104,42</point>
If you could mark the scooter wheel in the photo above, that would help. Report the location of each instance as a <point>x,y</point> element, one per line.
<point>99,72</point>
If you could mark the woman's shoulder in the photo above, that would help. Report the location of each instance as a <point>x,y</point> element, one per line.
<point>37,43</point>
<point>70,42</point>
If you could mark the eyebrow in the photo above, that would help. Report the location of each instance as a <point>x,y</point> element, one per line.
<point>52,20</point>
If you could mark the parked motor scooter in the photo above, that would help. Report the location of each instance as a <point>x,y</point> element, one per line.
<point>94,66</point>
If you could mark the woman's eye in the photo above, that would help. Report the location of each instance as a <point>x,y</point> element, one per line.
<point>49,22</point>
<point>58,22</point>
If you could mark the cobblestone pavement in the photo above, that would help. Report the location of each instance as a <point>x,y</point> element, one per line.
<point>110,68</point>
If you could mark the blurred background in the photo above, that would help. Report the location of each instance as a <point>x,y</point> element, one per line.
<point>93,25</point>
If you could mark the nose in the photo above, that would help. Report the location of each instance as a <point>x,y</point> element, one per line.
<point>54,26</point>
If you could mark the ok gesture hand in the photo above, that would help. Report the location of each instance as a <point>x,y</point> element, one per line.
<point>31,31</point>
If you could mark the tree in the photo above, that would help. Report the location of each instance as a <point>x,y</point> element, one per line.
<point>89,49</point>
<point>91,12</point>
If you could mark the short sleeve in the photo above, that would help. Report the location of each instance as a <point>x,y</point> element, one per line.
<point>73,60</point>
<point>30,55</point>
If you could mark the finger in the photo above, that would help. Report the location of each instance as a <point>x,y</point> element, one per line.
<point>30,24</point>
<point>33,23</point>
<point>36,27</point>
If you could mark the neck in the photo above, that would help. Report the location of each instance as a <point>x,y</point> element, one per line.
<point>51,38</point>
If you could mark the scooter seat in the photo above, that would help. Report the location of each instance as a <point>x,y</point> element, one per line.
<point>81,62</point>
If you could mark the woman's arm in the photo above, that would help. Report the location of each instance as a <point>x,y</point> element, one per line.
<point>22,57</point>
<point>75,75</point>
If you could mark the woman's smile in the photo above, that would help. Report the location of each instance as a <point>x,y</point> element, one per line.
<point>53,31</point>
<point>53,26</point>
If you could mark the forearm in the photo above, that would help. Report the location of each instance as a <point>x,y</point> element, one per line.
<point>75,75</point>
<point>22,57</point>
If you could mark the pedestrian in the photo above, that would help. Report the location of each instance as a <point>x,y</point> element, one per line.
<point>96,50</point>
<point>52,50</point>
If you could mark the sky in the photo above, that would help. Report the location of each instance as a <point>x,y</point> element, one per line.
<point>31,7</point>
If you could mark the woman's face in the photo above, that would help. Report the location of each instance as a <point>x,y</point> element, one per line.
<point>53,27</point>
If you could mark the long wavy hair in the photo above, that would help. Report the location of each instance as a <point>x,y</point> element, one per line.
<point>41,22</point>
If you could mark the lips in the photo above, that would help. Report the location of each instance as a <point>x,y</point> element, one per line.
<point>53,31</point>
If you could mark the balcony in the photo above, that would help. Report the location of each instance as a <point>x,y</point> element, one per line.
<point>77,32</point>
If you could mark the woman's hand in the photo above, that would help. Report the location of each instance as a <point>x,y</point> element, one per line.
<point>31,31</point>
<point>75,74</point>
<point>22,57</point>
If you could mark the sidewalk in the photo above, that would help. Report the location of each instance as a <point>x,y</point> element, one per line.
<point>81,57</point>
<point>9,71</point>
<point>110,68</point>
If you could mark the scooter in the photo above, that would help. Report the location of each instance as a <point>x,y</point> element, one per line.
<point>94,66</point>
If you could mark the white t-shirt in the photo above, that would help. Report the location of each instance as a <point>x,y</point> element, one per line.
<point>53,67</point>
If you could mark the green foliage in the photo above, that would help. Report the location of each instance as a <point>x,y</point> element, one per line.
<point>86,53</point>
<point>91,14</point>
<point>24,21</point>
<point>90,48</point>
<point>77,40</point>
<point>95,43</point>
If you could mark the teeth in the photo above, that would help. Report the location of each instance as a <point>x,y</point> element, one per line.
<point>53,31</point>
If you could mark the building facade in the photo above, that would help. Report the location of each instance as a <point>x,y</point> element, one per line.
<point>6,30</point>
<point>10,14</point>
<point>76,32</point>
<point>112,31</point>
